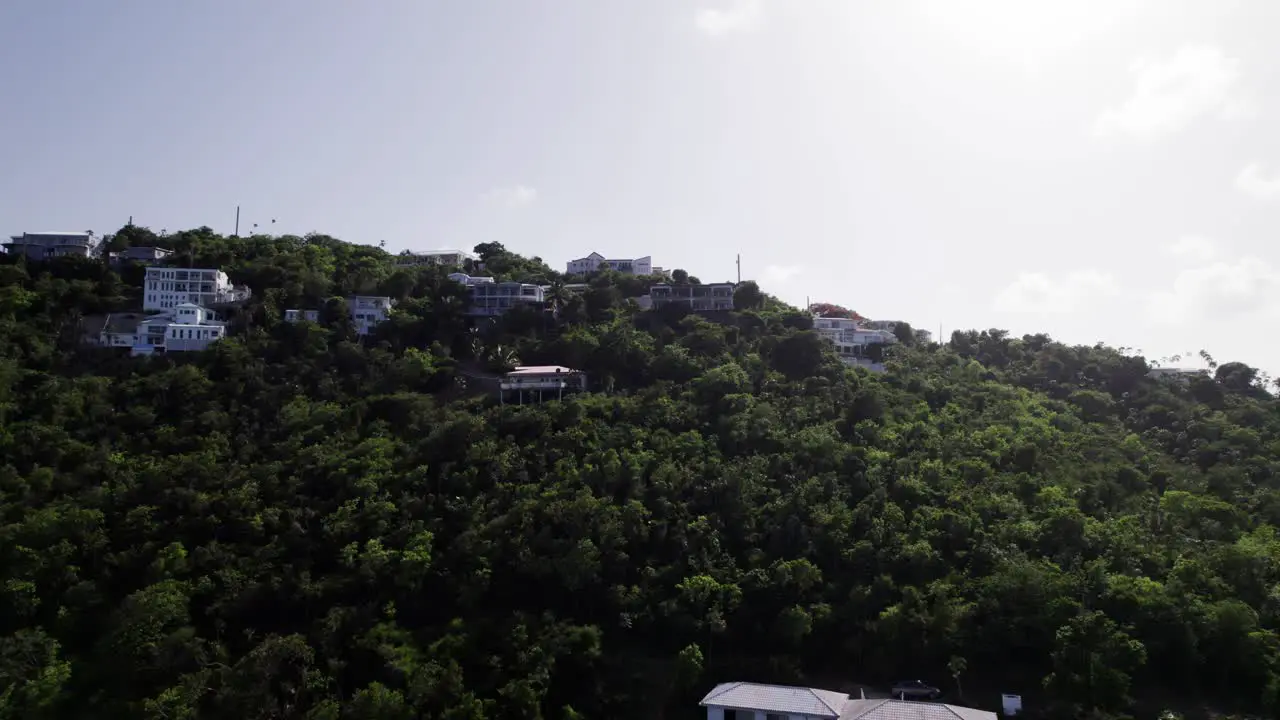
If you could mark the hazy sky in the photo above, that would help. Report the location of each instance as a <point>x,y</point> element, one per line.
<point>1098,170</point>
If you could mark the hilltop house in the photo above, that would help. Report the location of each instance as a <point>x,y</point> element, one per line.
<point>628,266</point>
<point>852,339</point>
<point>489,298</point>
<point>185,328</point>
<point>752,701</point>
<point>537,382</point>
<point>712,296</point>
<point>447,258</point>
<point>165,288</point>
<point>366,312</point>
<point>48,245</point>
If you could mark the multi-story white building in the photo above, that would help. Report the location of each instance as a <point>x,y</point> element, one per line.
<point>48,245</point>
<point>366,312</point>
<point>627,266</point>
<point>185,328</point>
<point>165,288</point>
<point>495,298</point>
<point>447,258</point>
<point>852,338</point>
<point>712,296</point>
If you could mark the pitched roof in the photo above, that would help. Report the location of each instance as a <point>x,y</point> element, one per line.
<point>907,710</point>
<point>777,698</point>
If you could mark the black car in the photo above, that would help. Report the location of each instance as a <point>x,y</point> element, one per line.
<point>915,690</point>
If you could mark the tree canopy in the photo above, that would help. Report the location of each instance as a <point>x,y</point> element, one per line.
<point>301,523</point>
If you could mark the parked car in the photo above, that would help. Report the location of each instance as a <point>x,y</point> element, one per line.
<point>915,690</point>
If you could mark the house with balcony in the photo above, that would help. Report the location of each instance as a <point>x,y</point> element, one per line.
<point>535,383</point>
<point>165,288</point>
<point>446,258</point>
<point>699,298</point>
<point>852,339</point>
<point>489,299</point>
<point>49,245</point>
<point>185,328</point>
<point>754,701</point>
<point>627,266</point>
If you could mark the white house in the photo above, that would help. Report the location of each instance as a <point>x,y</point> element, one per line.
<point>47,245</point>
<point>852,338</point>
<point>165,288</point>
<point>366,312</point>
<point>713,296</point>
<point>752,701</point>
<point>185,328</point>
<point>495,298</point>
<point>627,266</point>
<point>539,382</point>
<point>448,258</point>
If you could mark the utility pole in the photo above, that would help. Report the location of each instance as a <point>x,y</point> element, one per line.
<point>739,268</point>
<point>237,233</point>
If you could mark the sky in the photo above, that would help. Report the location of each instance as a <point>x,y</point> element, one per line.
<point>1098,170</point>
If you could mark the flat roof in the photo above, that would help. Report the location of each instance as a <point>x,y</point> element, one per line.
<point>541,370</point>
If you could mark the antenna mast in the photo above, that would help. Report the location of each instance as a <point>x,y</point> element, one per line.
<point>739,268</point>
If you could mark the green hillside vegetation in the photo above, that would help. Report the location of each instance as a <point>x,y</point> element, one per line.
<point>298,523</point>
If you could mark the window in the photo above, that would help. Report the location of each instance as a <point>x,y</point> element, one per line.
<point>775,716</point>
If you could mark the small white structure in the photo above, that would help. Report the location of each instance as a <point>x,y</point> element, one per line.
<point>627,266</point>
<point>48,245</point>
<point>1011,705</point>
<point>541,381</point>
<point>447,258</point>
<point>165,288</point>
<point>186,328</point>
<point>752,701</point>
<point>496,298</point>
<point>712,296</point>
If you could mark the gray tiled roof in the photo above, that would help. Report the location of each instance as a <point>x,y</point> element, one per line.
<point>907,710</point>
<point>777,699</point>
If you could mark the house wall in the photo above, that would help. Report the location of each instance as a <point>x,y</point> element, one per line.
<point>165,288</point>
<point>715,712</point>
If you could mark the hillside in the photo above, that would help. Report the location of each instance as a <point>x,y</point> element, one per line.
<point>301,523</point>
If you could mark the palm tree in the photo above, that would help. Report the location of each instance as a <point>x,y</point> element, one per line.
<point>957,665</point>
<point>557,296</point>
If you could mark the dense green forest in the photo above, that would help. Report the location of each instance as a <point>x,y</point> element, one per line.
<point>299,523</point>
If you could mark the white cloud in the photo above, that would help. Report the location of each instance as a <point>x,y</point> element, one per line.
<point>739,16</point>
<point>1039,293</point>
<point>1194,248</point>
<point>779,274</point>
<point>1169,94</point>
<point>1252,182</point>
<point>1245,288</point>
<point>517,196</point>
